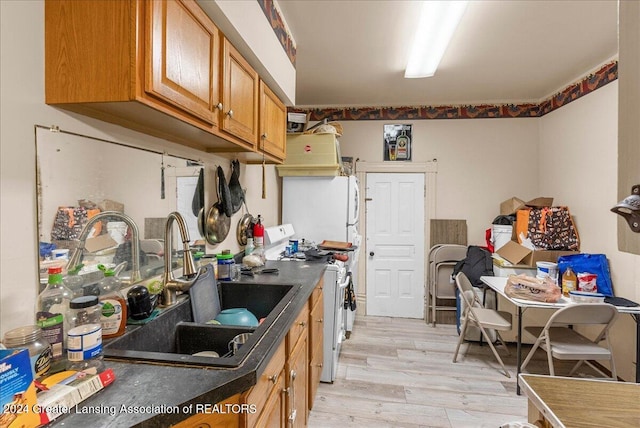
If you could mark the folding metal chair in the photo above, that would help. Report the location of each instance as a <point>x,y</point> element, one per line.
<point>476,314</point>
<point>560,341</point>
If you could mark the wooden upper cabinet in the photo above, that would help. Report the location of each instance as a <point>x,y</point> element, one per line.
<point>160,67</point>
<point>273,123</point>
<point>240,96</point>
<point>182,58</point>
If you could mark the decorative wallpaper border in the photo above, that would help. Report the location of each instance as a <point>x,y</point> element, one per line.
<point>605,75</point>
<point>280,28</point>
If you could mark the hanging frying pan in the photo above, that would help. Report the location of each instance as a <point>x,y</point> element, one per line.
<point>216,224</point>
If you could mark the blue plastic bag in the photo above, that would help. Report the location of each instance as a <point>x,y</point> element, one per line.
<point>592,263</point>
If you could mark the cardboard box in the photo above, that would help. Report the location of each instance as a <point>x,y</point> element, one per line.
<point>499,270</point>
<point>511,205</point>
<point>68,389</point>
<point>519,255</point>
<point>17,390</point>
<point>109,205</point>
<point>540,202</point>
<point>98,243</point>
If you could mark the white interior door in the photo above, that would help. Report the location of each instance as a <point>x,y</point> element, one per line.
<point>395,244</point>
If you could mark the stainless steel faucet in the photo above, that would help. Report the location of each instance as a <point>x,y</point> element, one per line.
<point>171,285</point>
<point>135,244</point>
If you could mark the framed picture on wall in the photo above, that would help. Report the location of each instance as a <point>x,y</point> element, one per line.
<point>397,142</point>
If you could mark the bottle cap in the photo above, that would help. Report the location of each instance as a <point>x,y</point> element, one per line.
<point>83,302</point>
<point>106,271</point>
<point>54,270</point>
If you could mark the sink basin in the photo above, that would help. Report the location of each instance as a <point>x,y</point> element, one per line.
<point>172,337</point>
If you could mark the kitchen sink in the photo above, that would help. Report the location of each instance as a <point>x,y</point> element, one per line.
<point>172,337</point>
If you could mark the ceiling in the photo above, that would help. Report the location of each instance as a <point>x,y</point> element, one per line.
<point>353,53</point>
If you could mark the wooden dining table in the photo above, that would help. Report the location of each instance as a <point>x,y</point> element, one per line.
<point>560,402</point>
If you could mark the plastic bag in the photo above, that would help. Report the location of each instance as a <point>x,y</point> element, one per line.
<point>530,288</point>
<point>589,263</point>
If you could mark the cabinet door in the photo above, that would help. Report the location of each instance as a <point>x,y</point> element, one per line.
<point>240,96</point>
<point>273,414</point>
<point>297,384</point>
<point>182,58</point>
<point>222,419</point>
<point>273,123</point>
<point>316,323</point>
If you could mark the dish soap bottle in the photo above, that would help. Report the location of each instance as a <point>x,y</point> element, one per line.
<point>51,308</point>
<point>113,318</point>
<point>569,281</point>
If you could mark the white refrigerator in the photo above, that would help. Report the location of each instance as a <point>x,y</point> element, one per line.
<point>322,208</point>
<point>326,208</point>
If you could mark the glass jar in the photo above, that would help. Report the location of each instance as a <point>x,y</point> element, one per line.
<point>31,338</point>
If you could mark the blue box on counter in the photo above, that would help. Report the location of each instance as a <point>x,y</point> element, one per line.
<point>17,391</point>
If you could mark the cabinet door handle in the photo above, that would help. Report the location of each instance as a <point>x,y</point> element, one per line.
<point>219,106</point>
<point>264,136</point>
<point>230,113</point>
<point>320,320</point>
<point>273,378</point>
<point>292,392</point>
<point>302,323</point>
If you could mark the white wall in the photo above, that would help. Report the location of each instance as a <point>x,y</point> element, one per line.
<point>481,162</point>
<point>22,106</point>
<point>578,158</point>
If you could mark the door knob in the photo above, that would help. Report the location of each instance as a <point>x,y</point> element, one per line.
<point>371,253</point>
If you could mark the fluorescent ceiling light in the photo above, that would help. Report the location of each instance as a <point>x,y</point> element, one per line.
<point>438,22</point>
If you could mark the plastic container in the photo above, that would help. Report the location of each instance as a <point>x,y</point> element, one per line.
<point>584,297</point>
<point>500,235</point>
<point>547,269</point>
<point>113,306</point>
<point>51,309</point>
<point>210,259</point>
<point>84,339</point>
<point>226,266</point>
<point>31,337</point>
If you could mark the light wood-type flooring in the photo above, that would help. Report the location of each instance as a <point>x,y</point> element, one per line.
<point>396,372</point>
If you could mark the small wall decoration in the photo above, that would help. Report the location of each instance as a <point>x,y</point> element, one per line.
<point>397,142</point>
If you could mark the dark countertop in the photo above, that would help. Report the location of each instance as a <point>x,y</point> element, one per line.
<point>173,389</point>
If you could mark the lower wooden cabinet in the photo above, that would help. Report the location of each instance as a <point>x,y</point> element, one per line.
<point>316,333</point>
<point>273,414</point>
<point>296,367</point>
<point>220,419</point>
<point>284,392</point>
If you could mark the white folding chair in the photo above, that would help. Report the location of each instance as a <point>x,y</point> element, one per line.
<point>476,314</point>
<point>560,341</point>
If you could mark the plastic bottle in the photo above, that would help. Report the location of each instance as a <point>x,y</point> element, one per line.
<point>258,233</point>
<point>569,281</point>
<point>84,339</point>
<point>51,308</point>
<point>74,281</point>
<point>113,317</point>
<point>248,249</point>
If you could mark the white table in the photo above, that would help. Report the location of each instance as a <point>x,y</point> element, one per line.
<point>497,283</point>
